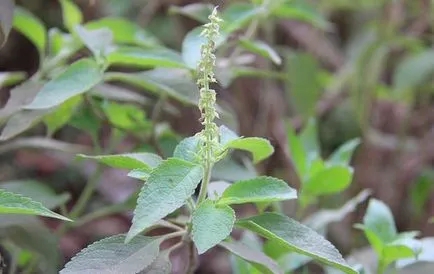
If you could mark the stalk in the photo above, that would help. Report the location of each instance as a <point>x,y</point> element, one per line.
<point>207,102</point>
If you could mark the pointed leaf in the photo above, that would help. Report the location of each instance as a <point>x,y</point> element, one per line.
<point>296,237</point>
<point>78,78</point>
<point>62,114</point>
<point>161,265</point>
<point>259,147</point>
<point>342,156</point>
<point>211,224</point>
<point>12,203</point>
<point>142,160</point>
<point>261,48</point>
<point>112,255</point>
<point>71,14</point>
<point>146,58</point>
<point>31,27</point>
<point>167,189</point>
<point>261,261</point>
<point>259,189</point>
<point>379,219</point>
<point>125,31</point>
<point>37,191</point>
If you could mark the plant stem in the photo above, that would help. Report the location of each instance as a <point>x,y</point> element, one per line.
<point>205,182</point>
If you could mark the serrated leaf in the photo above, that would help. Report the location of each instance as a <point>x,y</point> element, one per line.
<point>305,88</point>
<point>257,190</point>
<point>300,10</point>
<point>142,160</point>
<point>125,32</point>
<point>175,83</point>
<point>6,11</point>
<point>192,43</point>
<point>261,48</point>
<point>78,78</point>
<point>258,259</point>
<point>296,237</point>
<point>342,156</point>
<point>36,191</point>
<point>196,11</point>
<point>145,58</point>
<point>414,70</point>
<point>31,27</point>
<point>167,189</point>
<point>61,115</point>
<point>112,255</point>
<point>379,219</point>
<point>188,149</point>
<point>259,147</point>
<point>211,224</point>
<point>97,41</point>
<point>161,265</point>
<point>328,180</point>
<point>12,203</point>
<point>71,14</point>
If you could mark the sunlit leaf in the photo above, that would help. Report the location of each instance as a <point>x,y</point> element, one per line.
<point>142,160</point>
<point>31,27</point>
<point>259,147</point>
<point>71,14</point>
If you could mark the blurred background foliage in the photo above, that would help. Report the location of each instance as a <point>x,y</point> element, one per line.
<point>357,69</point>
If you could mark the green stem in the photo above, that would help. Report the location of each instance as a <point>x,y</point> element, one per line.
<point>205,181</point>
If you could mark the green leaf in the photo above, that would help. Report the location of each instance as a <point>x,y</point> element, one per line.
<point>258,259</point>
<point>21,121</point>
<point>97,41</point>
<point>211,224</point>
<point>296,237</point>
<point>112,255</point>
<point>259,147</point>
<point>78,78</point>
<point>188,149</point>
<point>301,10</point>
<point>329,180</point>
<point>143,160</point>
<point>11,78</point>
<point>296,152</point>
<point>125,32</point>
<point>261,48</point>
<point>6,11</point>
<point>192,43</point>
<point>238,15</point>
<point>126,116</point>
<point>71,14</point>
<point>196,11</point>
<point>145,58</point>
<point>61,115</point>
<point>37,191</point>
<point>342,156</point>
<point>119,94</point>
<point>20,96</point>
<point>12,203</point>
<point>161,265</point>
<point>379,219</point>
<point>175,83</point>
<point>403,248</point>
<point>309,139</point>
<point>167,189</point>
<point>259,189</point>
<point>141,174</point>
<point>31,27</point>
<point>229,169</point>
<point>303,81</point>
<point>413,71</point>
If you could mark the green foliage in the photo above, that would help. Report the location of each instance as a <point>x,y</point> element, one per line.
<point>12,203</point>
<point>143,160</point>
<point>259,147</point>
<point>32,28</point>
<point>211,224</point>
